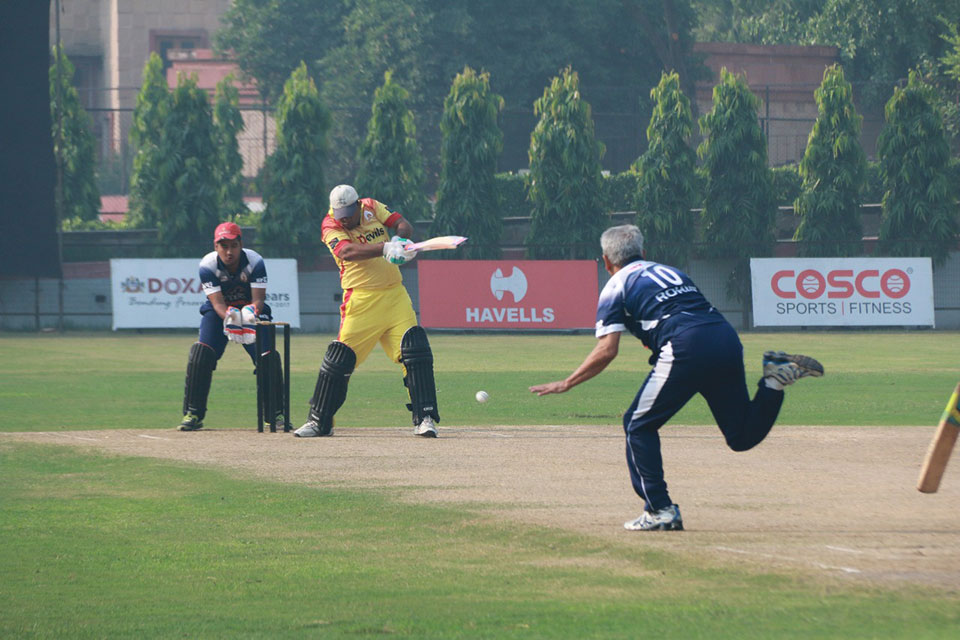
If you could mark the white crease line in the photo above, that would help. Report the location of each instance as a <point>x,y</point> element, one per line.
<point>140,435</point>
<point>819,565</point>
<point>844,549</point>
<point>64,435</point>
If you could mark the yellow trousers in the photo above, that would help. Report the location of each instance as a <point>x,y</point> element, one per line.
<point>368,316</point>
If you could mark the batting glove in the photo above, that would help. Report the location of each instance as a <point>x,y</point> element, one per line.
<point>396,250</point>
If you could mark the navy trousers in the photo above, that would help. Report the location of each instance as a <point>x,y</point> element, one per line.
<point>708,360</point>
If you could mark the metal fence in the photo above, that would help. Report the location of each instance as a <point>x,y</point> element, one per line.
<point>622,133</point>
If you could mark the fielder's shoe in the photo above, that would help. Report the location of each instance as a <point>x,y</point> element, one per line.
<point>190,422</point>
<point>666,519</point>
<point>312,429</point>
<point>426,428</point>
<point>781,369</point>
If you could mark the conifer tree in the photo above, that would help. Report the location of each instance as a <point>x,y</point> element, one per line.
<point>566,191</point>
<point>228,123</point>
<point>149,115</point>
<point>294,191</point>
<point>73,144</point>
<point>390,167</point>
<point>834,173</point>
<point>666,189</point>
<point>472,142</point>
<point>739,206</point>
<point>186,193</point>
<point>919,207</point>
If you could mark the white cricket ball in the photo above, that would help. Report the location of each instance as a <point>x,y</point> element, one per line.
<point>482,396</point>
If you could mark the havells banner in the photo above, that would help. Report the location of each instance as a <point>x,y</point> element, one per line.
<point>166,293</point>
<point>508,294</point>
<point>842,291</point>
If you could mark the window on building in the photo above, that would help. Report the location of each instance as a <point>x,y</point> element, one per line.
<point>177,45</point>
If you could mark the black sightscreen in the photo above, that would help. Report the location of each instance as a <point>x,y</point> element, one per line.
<point>28,221</point>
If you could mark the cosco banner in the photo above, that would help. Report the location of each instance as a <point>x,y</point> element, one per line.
<point>507,294</point>
<point>842,291</point>
<point>166,293</point>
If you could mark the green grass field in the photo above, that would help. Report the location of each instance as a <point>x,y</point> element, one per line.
<point>107,546</point>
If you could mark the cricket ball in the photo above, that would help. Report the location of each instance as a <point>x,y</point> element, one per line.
<point>482,396</point>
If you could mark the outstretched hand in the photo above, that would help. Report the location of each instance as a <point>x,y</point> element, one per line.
<point>550,387</point>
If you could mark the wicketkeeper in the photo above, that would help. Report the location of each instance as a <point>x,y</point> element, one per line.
<point>234,280</point>
<point>368,243</point>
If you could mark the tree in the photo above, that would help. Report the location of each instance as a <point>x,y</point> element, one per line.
<point>918,209</point>
<point>270,39</point>
<point>228,123</point>
<point>472,142</point>
<point>73,143</point>
<point>834,170</point>
<point>666,189</point>
<point>390,165</point>
<point>739,207</point>
<point>349,44</point>
<point>565,181</point>
<point>149,114</point>
<point>294,191</point>
<point>186,193</point>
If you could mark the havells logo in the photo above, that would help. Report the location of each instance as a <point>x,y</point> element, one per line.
<point>516,284</point>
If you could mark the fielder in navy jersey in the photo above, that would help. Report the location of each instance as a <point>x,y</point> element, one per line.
<point>232,278</point>
<point>694,350</point>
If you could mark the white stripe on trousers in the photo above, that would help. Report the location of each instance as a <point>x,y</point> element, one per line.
<point>654,384</point>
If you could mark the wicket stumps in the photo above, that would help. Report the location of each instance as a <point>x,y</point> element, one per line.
<point>267,378</point>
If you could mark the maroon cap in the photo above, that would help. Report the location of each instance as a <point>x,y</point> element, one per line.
<point>226,231</point>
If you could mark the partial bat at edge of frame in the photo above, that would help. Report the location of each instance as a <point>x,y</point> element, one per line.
<point>941,446</point>
<point>440,242</point>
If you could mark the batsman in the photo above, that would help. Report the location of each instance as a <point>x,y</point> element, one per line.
<point>368,243</point>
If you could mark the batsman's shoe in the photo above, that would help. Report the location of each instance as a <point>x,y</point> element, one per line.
<point>190,422</point>
<point>781,369</point>
<point>426,428</point>
<point>312,429</point>
<point>666,519</point>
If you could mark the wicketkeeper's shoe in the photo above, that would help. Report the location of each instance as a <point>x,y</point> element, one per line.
<point>426,428</point>
<point>666,519</point>
<point>781,369</point>
<point>278,422</point>
<point>190,422</point>
<point>312,429</point>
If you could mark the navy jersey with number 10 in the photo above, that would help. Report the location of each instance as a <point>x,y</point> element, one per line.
<point>654,302</point>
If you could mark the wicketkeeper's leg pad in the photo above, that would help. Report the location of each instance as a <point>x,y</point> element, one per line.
<point>331,390</point>
<point>200,366</point>
<point>418,359</point>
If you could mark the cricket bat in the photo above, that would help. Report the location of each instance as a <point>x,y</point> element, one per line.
<point>941,447</point>
<point>440,242</point>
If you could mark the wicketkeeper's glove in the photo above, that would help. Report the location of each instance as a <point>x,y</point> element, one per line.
<point>233,325</point>
<point>248,316</point>
<point>396,250</point>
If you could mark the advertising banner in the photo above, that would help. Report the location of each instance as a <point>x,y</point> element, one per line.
<point>165,293</point>
<point>508,294</point>
<point>842,291</point>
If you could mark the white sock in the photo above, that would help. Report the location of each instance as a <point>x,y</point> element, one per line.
<point>773,383</point>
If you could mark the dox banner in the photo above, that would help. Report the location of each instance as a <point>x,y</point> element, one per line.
<point>508,294</point>
<point>842,291</point>
<point>166,293</point>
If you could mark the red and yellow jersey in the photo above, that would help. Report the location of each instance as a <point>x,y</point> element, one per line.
<point>375,221</point>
